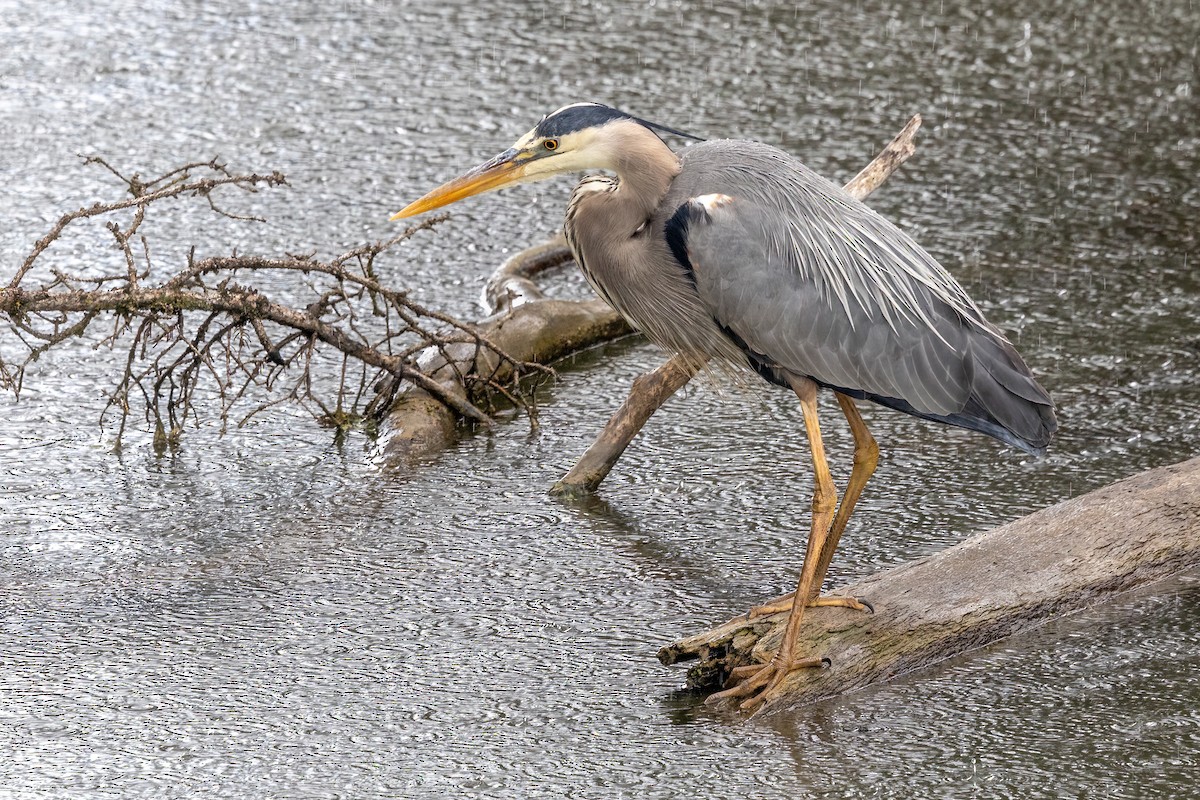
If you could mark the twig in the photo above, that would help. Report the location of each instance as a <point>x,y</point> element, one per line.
<point>202,325</point>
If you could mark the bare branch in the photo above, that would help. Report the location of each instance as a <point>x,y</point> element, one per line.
<point>203,325</point>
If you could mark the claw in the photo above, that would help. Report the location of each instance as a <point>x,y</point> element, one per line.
<point>756,682</point>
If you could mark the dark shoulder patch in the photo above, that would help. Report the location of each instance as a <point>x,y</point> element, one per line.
<point>676,232</point>
<point>576,118</point>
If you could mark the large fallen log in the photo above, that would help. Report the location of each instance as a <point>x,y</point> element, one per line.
<point>1053,562</point>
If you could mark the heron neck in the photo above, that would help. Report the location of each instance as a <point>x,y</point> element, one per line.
<point>645,169</point>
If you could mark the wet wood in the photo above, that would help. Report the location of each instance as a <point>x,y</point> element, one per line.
<point>648,393</point>
<point>540,332</point>
<point>995,584</point>
<point>512,284</point>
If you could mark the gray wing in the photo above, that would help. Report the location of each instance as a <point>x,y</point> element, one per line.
<point>808,280</point>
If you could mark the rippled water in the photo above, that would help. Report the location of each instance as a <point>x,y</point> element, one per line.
<point>265,614</point>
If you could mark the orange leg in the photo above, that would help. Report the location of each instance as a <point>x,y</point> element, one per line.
<point>866,457</point>
<point>758,683</point>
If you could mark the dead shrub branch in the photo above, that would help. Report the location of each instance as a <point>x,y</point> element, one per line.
<point>205,331</point>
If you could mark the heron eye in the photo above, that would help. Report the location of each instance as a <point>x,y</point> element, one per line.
<point>550,144</point>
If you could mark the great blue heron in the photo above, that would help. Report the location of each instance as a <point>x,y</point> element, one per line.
<point>736,251</point>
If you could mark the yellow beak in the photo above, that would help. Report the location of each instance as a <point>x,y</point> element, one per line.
<point>503,170</point>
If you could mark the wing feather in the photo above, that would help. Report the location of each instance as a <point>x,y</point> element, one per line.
<point>814,283</point>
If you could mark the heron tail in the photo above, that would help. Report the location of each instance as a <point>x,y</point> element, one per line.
<point>1005,401</point>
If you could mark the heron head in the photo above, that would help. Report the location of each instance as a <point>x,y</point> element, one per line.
<point>577,137</point>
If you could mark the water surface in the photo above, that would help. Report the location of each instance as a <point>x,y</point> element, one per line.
<point>266,614</point>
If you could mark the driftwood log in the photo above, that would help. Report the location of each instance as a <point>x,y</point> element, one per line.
<point>524,323</point>
<point>1053,562</point>
<point>533,328</point>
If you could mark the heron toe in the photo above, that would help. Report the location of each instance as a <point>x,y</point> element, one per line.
<point>784,603</point>
<point>842,601</point>
<point>754,684</point>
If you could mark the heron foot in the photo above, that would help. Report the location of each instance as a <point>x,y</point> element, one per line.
<point>757,682</point>
<point>784,603</point>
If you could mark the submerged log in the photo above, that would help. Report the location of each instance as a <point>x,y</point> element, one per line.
<point>538,332</point>
<point>1053,562</point>
<point>524,323</point>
